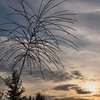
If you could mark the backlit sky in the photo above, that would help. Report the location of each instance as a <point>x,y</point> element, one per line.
<point>80,77</point>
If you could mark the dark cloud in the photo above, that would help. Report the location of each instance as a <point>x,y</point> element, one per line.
<point>79,90</point>
<point>77,73</point>
<point>67,87</point>
<point>64,87</point>
<point>62,76</point>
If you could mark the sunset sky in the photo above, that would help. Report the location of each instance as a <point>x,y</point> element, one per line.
<point>79,79</point>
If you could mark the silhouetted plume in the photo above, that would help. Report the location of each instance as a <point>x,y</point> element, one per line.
<point>35,42</point>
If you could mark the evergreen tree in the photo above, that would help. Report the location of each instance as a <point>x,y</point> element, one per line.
<point>39,96</point>
<point>14,84</point>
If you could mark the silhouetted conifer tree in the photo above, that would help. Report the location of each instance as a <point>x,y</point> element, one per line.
<point>14,85</point>
<point>39,96</point>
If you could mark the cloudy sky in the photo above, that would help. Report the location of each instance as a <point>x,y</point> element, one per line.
<point>79,79</point>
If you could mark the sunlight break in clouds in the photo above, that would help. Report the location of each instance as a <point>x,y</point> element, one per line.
<point>91,86</point>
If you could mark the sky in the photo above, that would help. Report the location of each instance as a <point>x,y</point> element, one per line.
<point>79,79</point>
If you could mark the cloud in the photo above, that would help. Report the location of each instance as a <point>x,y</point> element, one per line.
<point>64,87</point>
<point>57,76</point>
<point>67,87</point>
<point>62,76</point>
<point>78,75</point>
<point>79,90</point>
